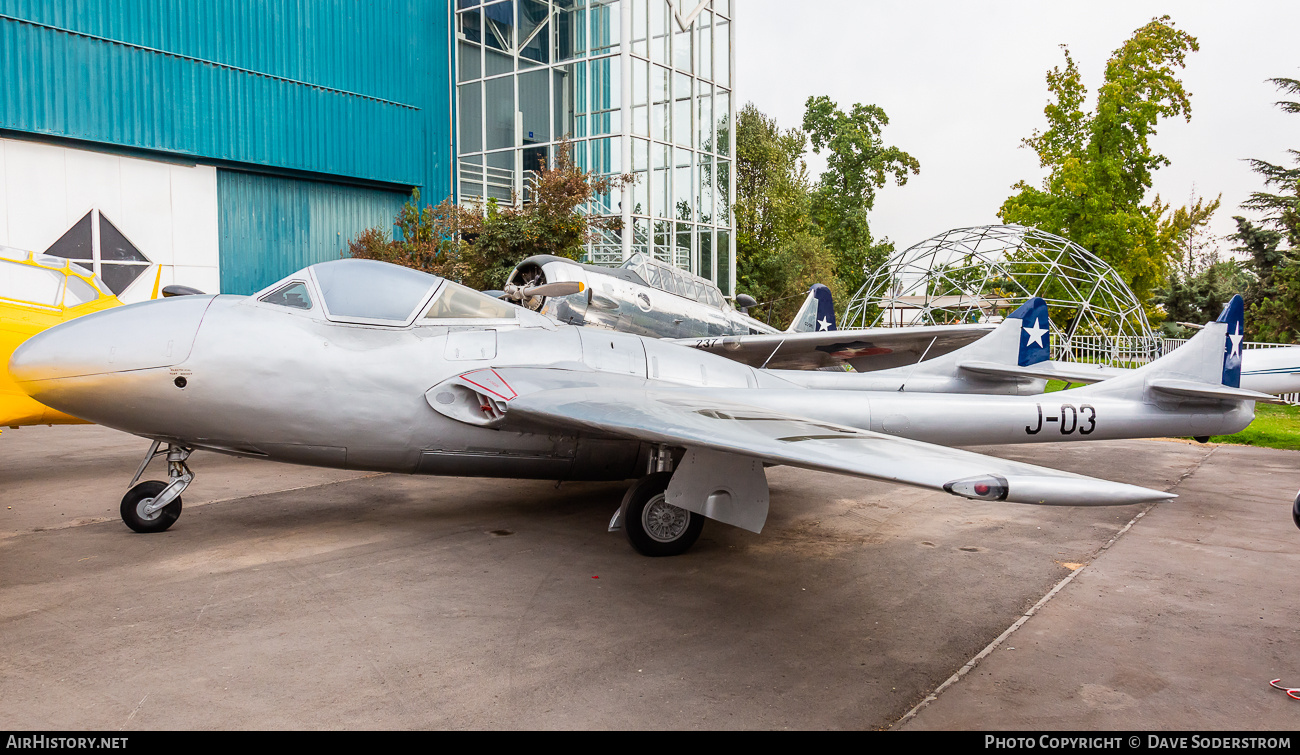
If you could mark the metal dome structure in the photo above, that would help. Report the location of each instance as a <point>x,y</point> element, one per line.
<point>980,274</point>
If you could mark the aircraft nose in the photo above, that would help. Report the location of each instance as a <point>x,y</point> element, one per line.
<point>155,333</point>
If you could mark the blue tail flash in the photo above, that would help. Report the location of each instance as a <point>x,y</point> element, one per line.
<point>825,307</point>
<point>1234,314</point>
<point>1035,333</point>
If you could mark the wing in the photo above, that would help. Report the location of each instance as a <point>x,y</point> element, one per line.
<point>866,350</point>
<point>711,419</point>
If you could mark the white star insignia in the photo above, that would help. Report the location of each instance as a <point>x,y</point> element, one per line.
<point>1036,334</point>
<point>1236,342</point>
<point>823,324</point>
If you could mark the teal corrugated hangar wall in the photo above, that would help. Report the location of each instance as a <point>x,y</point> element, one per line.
<point>272,226</point>
<point>320,115</point>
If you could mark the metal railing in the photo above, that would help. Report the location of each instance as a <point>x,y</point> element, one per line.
<point>1115,351</point>
<point>1133,351</point>
<point>479,183</point>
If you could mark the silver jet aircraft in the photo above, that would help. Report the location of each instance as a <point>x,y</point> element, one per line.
<point>651,298</point>
<point>363,365</point>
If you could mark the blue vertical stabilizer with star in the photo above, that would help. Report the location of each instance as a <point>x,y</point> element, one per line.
<point>1234,315</point>
<point>1035,332</point>
<point>817,313</point>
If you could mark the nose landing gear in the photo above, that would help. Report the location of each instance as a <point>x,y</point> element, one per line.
<point>153,506</point>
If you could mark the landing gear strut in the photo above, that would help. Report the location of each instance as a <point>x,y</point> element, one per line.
<point>153,506</point>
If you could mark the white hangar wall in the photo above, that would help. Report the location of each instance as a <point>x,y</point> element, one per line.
<point>167,211</point>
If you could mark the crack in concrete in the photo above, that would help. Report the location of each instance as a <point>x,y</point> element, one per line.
<point>988,649</point>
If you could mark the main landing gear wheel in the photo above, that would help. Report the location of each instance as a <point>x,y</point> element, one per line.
<point>135,508</point>
<point>653,526</point>
<point>1295,510</point>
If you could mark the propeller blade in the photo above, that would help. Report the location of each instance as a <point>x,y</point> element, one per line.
<point>564,288</point>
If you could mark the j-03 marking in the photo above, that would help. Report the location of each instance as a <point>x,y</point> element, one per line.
<point>1085,412</point>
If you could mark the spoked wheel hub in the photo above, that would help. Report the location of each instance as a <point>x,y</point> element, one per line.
<point>655,527</point>
<point>662,521</point>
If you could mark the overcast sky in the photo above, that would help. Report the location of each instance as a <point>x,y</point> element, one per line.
<point>963,83</point>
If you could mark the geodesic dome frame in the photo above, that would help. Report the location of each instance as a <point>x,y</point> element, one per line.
<point>983,273</point>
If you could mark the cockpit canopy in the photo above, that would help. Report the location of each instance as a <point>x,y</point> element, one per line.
<point>369,290</point>
<point>45,280</point>
<point>379,293</point>
<point>665,277</point>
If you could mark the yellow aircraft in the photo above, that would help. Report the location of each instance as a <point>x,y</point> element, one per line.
<point>38,292</point>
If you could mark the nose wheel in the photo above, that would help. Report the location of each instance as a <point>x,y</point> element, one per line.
<point>140,512</point>
<point>153,505</point>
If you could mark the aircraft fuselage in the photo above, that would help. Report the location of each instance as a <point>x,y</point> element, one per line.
<point>239,376</point>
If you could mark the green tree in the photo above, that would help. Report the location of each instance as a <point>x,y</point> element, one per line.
<point>1273,298</point>
<point>479,246</point>
<point>1187,235</point>
<point>1282,207</point>
<point>1273,302</point>
<point>779,254</point>
<point>772,202</point>
<point>1100,163</point>
<point>857,164</point>
<point>1199,297</point>
<point>426,239</point>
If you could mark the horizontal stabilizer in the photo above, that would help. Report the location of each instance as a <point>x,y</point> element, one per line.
<point>1209,392</point>
<point>1043,370</point>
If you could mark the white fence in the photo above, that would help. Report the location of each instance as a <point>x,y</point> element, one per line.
<point>1132,351</point>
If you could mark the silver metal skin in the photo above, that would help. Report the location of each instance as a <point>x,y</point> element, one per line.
<point>328,368</point>
<point>677,305</point>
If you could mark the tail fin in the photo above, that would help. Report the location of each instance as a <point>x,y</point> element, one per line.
<point>1012,351</point>
<point>1234,316</point>
<point>1206,368</point>
<point>1035,332</point>
<point>817,312</point>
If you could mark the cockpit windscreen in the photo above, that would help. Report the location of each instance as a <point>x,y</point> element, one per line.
<point>456,302</point>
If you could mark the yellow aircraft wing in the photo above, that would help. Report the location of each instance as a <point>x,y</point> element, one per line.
<point>39,292</point>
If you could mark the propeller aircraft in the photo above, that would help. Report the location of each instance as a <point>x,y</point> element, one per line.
<point>37,292</point>
<point>652,298</point>
<point>364,365</point>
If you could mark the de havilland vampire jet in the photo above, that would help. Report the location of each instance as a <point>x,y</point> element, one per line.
<point>647,297</point>
<point>364,365</point>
